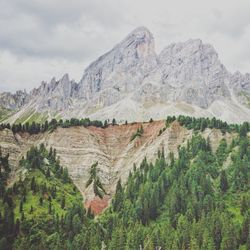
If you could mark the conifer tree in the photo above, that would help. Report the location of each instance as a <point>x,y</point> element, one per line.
<point>63,202</point>
<point>95,179</point>
<point>223,181</point>
<point>118,199</point>
<point>21,206</point>
<point>113,122</point>
<point>244,205</point>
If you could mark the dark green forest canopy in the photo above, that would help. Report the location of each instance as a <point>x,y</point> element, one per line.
<point>198,199</point>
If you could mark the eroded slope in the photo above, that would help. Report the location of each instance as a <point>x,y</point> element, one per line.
<point>80,147</point>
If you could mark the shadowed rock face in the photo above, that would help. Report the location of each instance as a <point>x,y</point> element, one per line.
<point>131,81</point>
<point>79,147</point>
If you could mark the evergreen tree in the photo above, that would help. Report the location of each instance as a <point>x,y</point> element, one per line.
<point>245,230</point>
<point>65,175</point>
<point>118,200</point>
<point>63,202</point>
<point>244,205</point>
<point>76,224</point>
<point>105,124</point>
<point>21,206</point>
<point>50,208</point>
<point>31,209</point>
<point>41,201</point>
<point>94,178</point>
<point>33,184</point>
<point>223,181</point>
<point>4,245</point>
<point>113,122</point>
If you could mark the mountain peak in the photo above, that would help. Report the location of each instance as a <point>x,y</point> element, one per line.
<point>138,36</point>
<point>197,41</point>
<point>189,47</point>
<point>141,30</point>
<point>65,78</point>
<point>134,56</point>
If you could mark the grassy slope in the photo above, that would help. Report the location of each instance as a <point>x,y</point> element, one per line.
<point>67,190</point>
<point>5,113</point>
<point>32,116</point>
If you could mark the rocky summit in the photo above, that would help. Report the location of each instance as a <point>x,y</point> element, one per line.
<point>132,82</point>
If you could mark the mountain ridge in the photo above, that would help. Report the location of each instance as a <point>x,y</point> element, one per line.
<point>131,82</point>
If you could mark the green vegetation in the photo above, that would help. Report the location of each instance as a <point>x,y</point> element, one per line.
<point>113,122</point>
<point>35,128</point>
<point>36,117</point>
<point>192,202</point>
<point>26,116</point>
<point>161,131</point>
<point>95,179</point>
<point>198,199</point>
<point>4,172</point>
<point>198,124</point>
<point>5,113</point>
<point>38,206</point>
<point>139,132</point>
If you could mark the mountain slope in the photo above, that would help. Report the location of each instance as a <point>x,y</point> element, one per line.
<point>41,198</point>
<point>131,82</point>
<point>196,197</point>
<point>195,201</point>
<point>116,149</point>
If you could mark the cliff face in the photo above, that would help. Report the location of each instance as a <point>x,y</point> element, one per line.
<point>13,101</point>
<point>131,82</point>
<point>79,147</point>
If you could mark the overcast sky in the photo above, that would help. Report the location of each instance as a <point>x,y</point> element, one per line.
<point>40,39</point>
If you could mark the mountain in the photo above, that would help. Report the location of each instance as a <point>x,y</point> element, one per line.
<point>131,82</point>
<point>175,183</point>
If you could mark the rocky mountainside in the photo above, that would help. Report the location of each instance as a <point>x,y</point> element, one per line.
<point>112,147</point>
<point>14,101</point>
<point>131,82</point>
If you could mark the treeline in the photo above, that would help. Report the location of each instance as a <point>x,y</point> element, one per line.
<point>35,128</point>
<point>187,121</point>
<point>200,124</point>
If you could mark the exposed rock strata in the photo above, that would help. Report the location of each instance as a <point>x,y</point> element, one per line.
<point>79,147</point>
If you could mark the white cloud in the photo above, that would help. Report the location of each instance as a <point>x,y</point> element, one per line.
<point>17,73</point>
<point>40,39</point>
